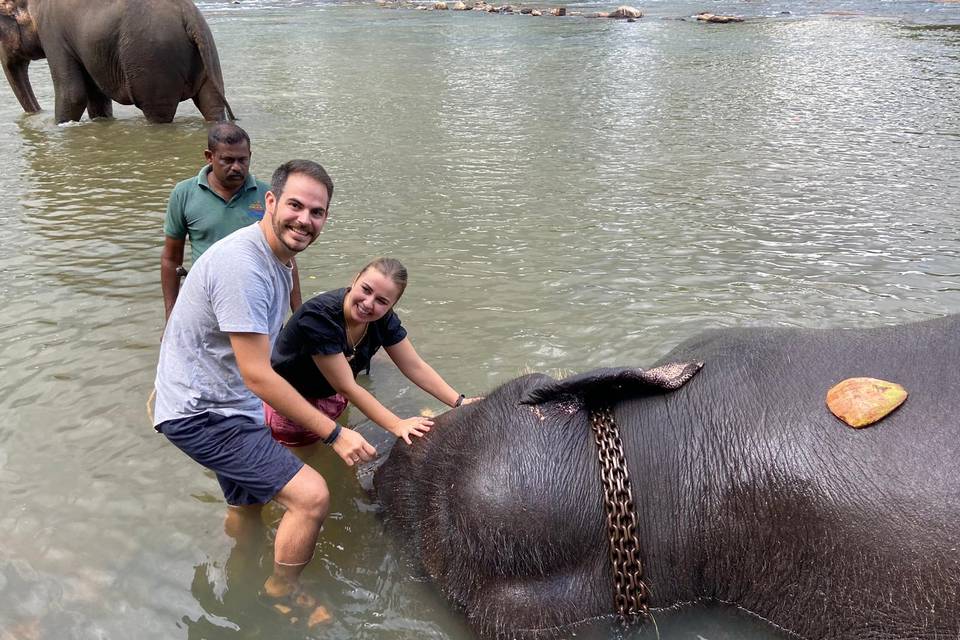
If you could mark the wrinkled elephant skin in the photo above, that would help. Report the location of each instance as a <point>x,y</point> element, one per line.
<point>149,53</point>
<point>747,490</point>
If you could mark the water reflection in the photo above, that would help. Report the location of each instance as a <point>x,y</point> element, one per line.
<point>228,592</point>
<point>95,198</point>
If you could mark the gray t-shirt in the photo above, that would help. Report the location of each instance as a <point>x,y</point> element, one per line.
<point>237,286</point>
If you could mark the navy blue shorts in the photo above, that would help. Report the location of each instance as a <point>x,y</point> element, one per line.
<point>251,466</point>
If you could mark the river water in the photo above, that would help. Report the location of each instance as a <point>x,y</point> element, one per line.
<point>567,193</point>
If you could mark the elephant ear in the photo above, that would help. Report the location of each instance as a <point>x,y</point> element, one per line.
<point>609,385</point>
<point>14,8</point>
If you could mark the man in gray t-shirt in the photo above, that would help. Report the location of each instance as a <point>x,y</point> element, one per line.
<point>214,372</point>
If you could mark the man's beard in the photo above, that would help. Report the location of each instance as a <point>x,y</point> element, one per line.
<point>278,231</point>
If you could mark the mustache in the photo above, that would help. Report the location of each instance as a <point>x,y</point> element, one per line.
<point>301,229</point>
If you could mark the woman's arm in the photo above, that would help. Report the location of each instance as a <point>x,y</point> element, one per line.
<point>420,373</point>
<point>337,372</point>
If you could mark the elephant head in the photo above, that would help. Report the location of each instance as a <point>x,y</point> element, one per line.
<point>501,502</point>
<point>19,44</point>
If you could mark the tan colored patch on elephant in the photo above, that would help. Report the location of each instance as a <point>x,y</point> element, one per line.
<point>860,402</point>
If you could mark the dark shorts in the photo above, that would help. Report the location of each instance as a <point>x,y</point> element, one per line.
<point>251,466</point>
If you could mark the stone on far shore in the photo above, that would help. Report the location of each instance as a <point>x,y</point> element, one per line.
<point>625,12</point>
<point>710,17</point>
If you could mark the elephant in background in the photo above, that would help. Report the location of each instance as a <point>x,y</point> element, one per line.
<point>149,53</point>
<point>748,491</point>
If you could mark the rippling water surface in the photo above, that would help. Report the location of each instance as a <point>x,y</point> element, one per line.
<point>567,193</point>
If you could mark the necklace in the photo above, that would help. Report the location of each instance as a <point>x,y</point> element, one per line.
<point>353,347</point>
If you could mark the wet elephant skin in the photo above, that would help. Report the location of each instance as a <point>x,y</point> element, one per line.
<point>748,491</point>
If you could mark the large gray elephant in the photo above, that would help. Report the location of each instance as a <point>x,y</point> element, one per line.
<point>149,53</point>
<point>747,490</point>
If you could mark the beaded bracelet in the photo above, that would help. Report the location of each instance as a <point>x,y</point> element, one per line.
<point>460,400</point>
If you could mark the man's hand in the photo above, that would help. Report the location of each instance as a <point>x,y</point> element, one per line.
<point>353,448</point>
<point>171,261</point>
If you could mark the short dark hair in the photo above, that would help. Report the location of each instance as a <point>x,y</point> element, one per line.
<point>226,133</point>
<point>391,268</point>
<point>306,167</point>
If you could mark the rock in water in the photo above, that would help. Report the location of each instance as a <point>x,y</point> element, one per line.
<point>862,401</point>
<point>320,615</point>
<point>710,17</point>
<point>624,12</point>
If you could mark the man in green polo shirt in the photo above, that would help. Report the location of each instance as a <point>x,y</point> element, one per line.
<point>222,198</point>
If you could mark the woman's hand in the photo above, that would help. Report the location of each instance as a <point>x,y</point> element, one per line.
<point>416,426</point>
<point>352,447</point>
<point>471,400</point>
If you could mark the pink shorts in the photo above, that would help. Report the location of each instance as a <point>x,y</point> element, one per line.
<point>289,433</point>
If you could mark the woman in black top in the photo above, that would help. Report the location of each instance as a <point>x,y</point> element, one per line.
<point>331,338</point>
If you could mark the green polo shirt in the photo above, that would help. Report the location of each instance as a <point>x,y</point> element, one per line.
<point>198,212</point>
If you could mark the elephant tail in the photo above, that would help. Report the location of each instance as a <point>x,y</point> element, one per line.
<point>199,32</point>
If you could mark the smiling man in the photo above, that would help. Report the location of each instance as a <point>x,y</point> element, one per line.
<point>222,198</point>
<point>214,372</point>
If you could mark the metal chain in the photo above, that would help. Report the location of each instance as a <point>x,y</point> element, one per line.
<point>629,592</point>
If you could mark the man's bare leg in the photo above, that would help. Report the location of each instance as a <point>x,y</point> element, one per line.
<point>244,524</point>
<point>307,501</point>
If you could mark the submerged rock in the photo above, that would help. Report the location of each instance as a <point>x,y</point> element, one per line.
<point>860,402</point>
<point>319,616</point>
<point>558,11</point>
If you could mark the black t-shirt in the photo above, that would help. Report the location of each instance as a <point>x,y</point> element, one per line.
<point>318,327</point>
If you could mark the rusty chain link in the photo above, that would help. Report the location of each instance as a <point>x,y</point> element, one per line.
<point>629,591</point>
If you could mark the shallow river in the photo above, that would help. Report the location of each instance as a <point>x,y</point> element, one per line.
<point>567,193</point>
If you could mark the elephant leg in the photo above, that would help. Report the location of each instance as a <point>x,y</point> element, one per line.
<point>155,96</point>
<point>69,87</point>
<point>159,113</point>
<point>98,104</point>
<point>210,103</point>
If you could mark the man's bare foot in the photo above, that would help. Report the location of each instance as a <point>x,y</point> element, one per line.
<point>291,600</point>
<point>278,588</point>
